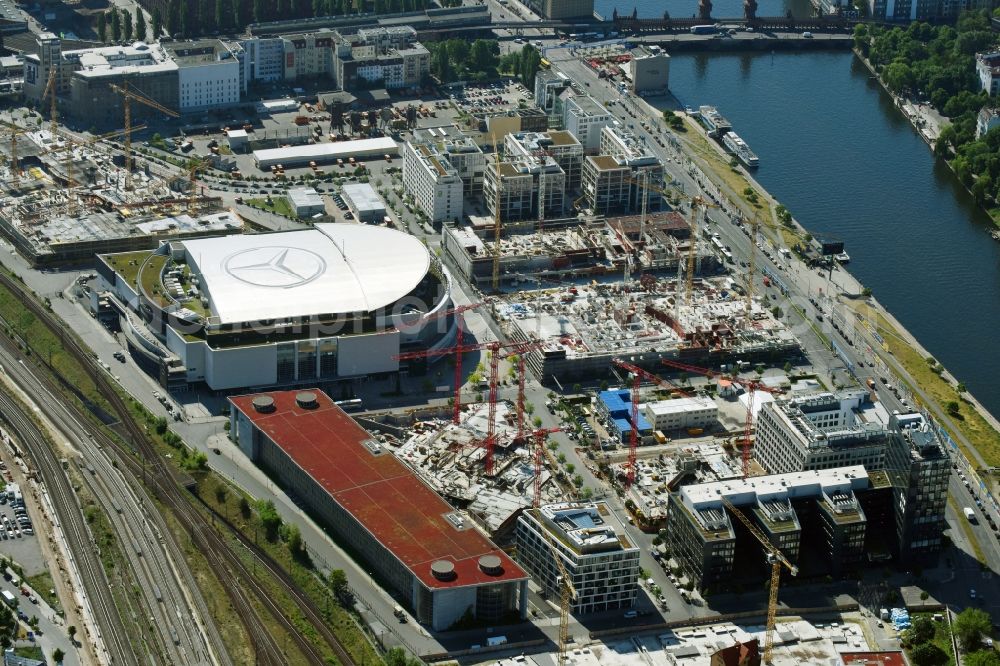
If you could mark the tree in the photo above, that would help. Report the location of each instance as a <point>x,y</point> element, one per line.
<point>221,492</point>
<point>126,25</point>
<point>140,26</point>
<point>116,25</point>
<point>952,407</point>
<point>921,631</point>
<point>337,581</point>
<point>58,655</point>
<point>296,546</point>
<point>157,23</point>
<point>71,630</point>
<point>173,18</point>
<point>982,658</point>
<point>928,654</point>
<point>970,626</point>
<point>961,388</point>
<point>269,519</point>
<point>102,26</point>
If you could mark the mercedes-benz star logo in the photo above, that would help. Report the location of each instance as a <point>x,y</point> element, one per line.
<point>278,267</point>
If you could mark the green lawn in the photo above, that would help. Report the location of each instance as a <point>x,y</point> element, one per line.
<point>128,264</point>
<point>279,205</point>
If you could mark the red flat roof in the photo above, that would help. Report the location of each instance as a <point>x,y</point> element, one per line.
<point>382,493</point>
<point>873,659</point>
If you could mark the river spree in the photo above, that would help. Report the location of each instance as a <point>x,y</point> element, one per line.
<point>839,155</point>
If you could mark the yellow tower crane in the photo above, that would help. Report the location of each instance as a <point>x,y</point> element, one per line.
<point>50,91</point>
<point>128,94</point>
<point>70,144</point>
<point>194,166</point>
<point>777,560</point>
<point>698,205</point>
<point>567,595</point>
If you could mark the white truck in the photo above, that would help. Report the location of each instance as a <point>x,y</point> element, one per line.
<point>9,598</point>
<point>970,515</point>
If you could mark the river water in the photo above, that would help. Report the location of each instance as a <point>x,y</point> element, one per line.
<point>839,155</point>
<point>688,8</point>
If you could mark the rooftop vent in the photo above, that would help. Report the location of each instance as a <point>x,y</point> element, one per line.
<point>306,400</point>
<point>263,404</point>
<point>491,565</point>
<point>443,570</point>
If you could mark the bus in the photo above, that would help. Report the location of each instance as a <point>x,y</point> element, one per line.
<point>703,29</point>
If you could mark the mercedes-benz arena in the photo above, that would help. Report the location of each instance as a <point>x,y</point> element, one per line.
<point>313,306</point>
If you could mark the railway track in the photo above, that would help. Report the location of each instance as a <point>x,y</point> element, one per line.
<point>74,525</point>
<point>232,571</point>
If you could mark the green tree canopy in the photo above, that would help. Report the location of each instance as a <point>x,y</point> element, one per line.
<point>970,626</point>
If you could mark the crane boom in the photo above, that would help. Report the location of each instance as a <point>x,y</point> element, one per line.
<point>128,94</point>
<point>567,594</point>
<point>776,559</point>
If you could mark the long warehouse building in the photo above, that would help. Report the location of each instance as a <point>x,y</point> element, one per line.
<point>324,153</point>
<point>431,556</point>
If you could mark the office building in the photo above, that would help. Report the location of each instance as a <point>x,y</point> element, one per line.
<point>561,146</point>
<point>548,85</point>
<point>816,512</point>
<point>823,430</point>
<point>819,431</point>
<point>584,117</point>
<point>680,413</point>
<point>499,125</point>
<point>515,187</point>
<point>606,185</point>
<point>593,548</point>
<point>562,9</point>
<point>434,183</point>
<point>649,70</point>
<point>922,488</point>
<point>461,151</point>
<point>427,553</point>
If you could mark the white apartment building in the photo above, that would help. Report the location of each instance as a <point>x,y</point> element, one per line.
<point>629,150</point>
<point>695,412</point>
<point>584,117</point>
<point>265,58</point>
<point>433,182</point>
<point>208,74</point>
<point>988,69</point>
<point>591,543</point>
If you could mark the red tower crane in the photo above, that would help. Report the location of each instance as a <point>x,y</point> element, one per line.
<point>638,374</point>
<point>539,437</point>
<point>752,385</point>
<point>459,313</point>
<point>493,348</point>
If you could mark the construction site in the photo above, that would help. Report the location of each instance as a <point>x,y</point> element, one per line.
<point>573,249</point>
<point>582,327</point>
<point>66,198</point>
<point>452,458</point>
